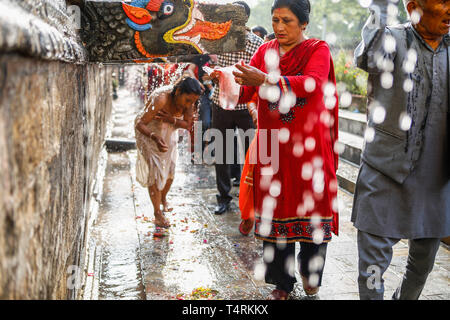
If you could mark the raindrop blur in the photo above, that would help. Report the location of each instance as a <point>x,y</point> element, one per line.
<point>387,80</point>
<point>307,171</point>
<point>405,121</point>
<point>308,200</point>
<point>333,186</point>
<point>378,114</point>
<point>415,17</point>
<point>260,271</point>
<point>269,254</point>
<point>408,85</point>
<point>298,150</point>
<point>287,102</point>
<point>316,264</point>
<point>273,94</point>
<point>389,44</point>
<point>310,144</point>
<point>317,162</point>
<point>313,280</point>
<point>272,59</point>
<point>369,134</point>
<point>301,210</point>
<point>346,99</point>
<point>290,266</point>
<point>329,89</point>
<point>318,236</point>
<point>283,135</point>
<point>339,147</point>
<point>365,3</point>
<point>275,189</point>
<point>310,85</point>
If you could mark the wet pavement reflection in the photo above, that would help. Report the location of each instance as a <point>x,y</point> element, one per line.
<point>203,253</point>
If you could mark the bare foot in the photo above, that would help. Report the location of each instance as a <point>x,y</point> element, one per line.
<point>161,221</point>
<point>166,207</point>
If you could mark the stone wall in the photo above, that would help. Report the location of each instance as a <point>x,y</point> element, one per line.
<point>54,108</point>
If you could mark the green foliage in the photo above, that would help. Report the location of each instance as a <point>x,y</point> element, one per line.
<point>348,77</point>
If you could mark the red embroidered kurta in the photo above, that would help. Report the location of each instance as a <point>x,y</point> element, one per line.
<point>299,201</point>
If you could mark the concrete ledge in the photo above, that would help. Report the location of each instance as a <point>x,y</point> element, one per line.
<point>354,123</point>
<point>119,145</point>
<point>353,147</point>
<point>347,175</point>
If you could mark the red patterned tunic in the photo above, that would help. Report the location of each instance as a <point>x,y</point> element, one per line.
<point>296,193</point>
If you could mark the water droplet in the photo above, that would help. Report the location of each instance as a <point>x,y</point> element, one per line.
<point>283,135</point>
<point>275,188</point>
<point>346,99</point>
<point>272,59</point>
<point>415,17</point>
<point>269,254</point>
<point>310,85</point>
<point>405,121</point>
<point>307,171</point>
<point>310,144</point>
<point>408,85</point>
<point>339,147</point>
<point>387,80</point>
<point>369,134</point>
<point>389,44</point>
<point>378,114</point>
<point>318,236</point>
<point>365,3</point>
<point>298,149</point>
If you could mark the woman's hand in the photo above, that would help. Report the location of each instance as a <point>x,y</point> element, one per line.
<point>162,146</point>
<point>215,76</point>
<point>248,75</point>
<point>165,116</point>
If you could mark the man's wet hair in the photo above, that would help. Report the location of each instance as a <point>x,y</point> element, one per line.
<point>187,85</point>
<point>245,5</point>
<point>270,36</point>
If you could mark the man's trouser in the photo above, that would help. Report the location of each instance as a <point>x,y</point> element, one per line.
<point>375,254</point>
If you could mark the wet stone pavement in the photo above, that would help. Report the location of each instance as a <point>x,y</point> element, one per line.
<point>200,249</point>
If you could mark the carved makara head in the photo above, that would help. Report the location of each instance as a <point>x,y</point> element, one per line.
<point>162,23</point>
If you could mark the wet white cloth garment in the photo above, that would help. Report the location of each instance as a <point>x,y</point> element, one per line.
<point>153,166</point>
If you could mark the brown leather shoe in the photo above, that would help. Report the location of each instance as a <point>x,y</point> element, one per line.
<point>278,295</point>
<point>310,291</point>
<point>246,226</point>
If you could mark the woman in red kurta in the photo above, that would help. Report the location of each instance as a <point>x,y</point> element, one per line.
<point>295,195</point>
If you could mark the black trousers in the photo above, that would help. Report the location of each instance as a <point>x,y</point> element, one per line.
<point>277,269</point>
<point>223,120</point>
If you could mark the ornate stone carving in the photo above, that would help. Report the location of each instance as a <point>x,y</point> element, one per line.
<point>117,32</point>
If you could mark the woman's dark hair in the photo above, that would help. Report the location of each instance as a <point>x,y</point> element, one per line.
<point>301,8</point>
<point>261,30</point>
<point>270,36</point>
<point>187,85</point>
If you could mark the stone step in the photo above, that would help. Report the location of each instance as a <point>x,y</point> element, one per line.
<point>351,122</point>
<point>353,147</point>
<point>347,174</point>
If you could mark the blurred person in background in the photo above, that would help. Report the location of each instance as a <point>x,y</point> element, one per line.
<point>239,118</point>
<point>260,31</point>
